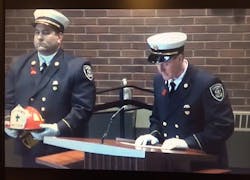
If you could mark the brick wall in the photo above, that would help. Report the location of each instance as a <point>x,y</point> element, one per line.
<point>115,41</point>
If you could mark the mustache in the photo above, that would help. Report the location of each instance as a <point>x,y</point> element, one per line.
<point>41,44</point>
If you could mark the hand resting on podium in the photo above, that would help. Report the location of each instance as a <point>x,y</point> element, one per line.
<point>146,139</point>
<point>168,144</point>
<point>174,143</point>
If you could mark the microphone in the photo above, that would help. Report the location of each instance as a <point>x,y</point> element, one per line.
<point>110,122</point>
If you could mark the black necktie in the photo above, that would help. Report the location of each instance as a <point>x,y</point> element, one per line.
<point>172,84</point>
<point>43,67</point>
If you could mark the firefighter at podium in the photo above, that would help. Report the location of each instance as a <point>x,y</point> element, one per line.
<point>191,107</point>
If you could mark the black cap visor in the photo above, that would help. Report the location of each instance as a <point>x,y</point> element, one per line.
<point>156,58</point>
<point>163,56</point>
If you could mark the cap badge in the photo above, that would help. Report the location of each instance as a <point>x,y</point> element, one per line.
<point>217,91</point>
<point>88,72</point>
<point>166,58</point>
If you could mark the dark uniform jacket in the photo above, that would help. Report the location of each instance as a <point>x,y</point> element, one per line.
<point>64,93</point>
<point>199,112</point>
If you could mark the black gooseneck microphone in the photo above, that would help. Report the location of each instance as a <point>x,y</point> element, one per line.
<point>110,122</point>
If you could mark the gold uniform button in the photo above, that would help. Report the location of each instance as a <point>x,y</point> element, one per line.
<point>187,112</point>
<point>56,63</point>
<point>54,88</point>
<point>33,63</point>
<point>55,83</point>
<point>186,106</point>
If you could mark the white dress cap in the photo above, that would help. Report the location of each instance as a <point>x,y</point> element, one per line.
<point>167,41</point>
<point>51,17</point>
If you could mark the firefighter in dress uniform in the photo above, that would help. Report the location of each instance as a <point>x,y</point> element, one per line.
<point>191,106</point>
<point>58,85</point>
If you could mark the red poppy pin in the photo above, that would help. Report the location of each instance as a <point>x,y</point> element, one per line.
<point>33,71</point>
<point>164,92</point>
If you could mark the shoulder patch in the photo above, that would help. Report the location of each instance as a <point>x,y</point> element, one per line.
<point>217,91</point>
<point>88,72</point>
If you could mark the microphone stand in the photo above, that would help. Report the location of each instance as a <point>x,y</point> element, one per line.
<point>110,122</point>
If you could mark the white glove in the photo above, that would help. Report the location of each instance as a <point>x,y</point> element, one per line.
<point>49,130</point>
<point>174,143</point>
<point>143,139</point>
<point>11,132</point>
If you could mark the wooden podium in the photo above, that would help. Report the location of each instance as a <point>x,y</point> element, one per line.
<point>91,154</point>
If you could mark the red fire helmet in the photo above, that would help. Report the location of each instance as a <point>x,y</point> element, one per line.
<point>34,119</point>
